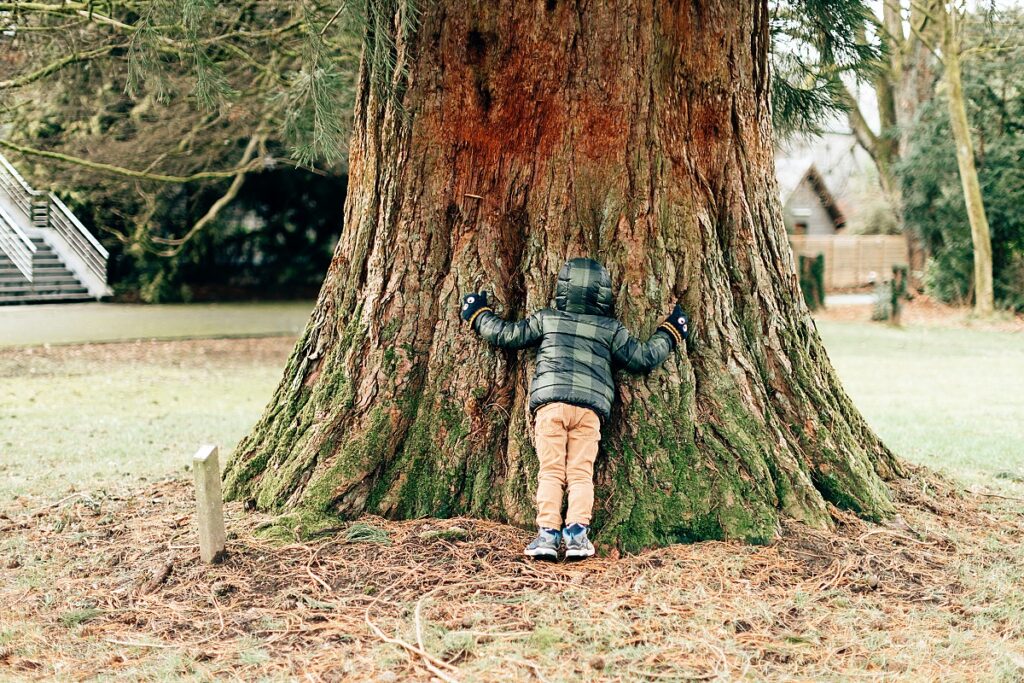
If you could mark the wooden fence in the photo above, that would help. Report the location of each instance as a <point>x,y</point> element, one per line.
<point>853,260</point>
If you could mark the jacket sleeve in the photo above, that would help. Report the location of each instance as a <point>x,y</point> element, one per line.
<point>509,335</point>
<point>637,356</point>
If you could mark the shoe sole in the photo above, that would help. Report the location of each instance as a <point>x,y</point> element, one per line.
<point>578,555</point>
<point>546,555</point>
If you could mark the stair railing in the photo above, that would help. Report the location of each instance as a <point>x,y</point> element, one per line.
<point>46,212</point>
<point>16,245</point>
<point>81,241</point>
<point>31,202</point>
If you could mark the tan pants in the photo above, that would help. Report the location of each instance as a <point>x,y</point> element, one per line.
<point>567,439</point>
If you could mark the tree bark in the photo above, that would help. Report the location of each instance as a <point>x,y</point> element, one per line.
<point>517,135</point>
<point>984,298</point>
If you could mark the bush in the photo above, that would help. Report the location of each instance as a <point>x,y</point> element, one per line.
<point>274,241</point>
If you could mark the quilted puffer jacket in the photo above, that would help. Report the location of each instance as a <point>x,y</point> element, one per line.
<point>580,343</point>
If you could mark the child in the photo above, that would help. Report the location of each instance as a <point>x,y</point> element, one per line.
<point>573,389</point>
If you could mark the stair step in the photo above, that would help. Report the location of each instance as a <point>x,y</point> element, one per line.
<point>44,274</point>
<point>43,299</point>
<point>36,286</point>
<point>68,278</point>
<point>33,292</point>
<point>37,262</point>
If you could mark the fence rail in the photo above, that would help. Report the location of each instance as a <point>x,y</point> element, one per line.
<point>16,245</point>
<point>853,260</point>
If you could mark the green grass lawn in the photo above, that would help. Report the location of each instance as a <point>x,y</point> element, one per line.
<point>951,399</point>
<point>109,413</point>
<point>88,416</point>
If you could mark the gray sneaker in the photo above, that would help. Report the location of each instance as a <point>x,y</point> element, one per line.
<point>545,546</point>
<point>577,545</point>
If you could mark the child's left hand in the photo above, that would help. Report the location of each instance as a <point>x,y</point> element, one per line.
<point>679,322</point>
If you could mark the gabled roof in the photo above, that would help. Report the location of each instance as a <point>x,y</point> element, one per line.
<point>816,182</point>
<point>790,171</point>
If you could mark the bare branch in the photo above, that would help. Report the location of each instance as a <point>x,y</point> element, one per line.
<point>81,9</point>
<point>866,137</point>
<point>56,66</point>
<point>177,244</point>
<point>127,172</point>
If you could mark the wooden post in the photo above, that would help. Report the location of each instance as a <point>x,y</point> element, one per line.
<point>209,504</point>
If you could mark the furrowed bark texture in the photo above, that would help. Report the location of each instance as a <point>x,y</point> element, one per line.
<point>526,133</point>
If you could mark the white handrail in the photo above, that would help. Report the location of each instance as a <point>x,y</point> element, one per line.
<point>88,251</point>
<point>16,245</point>
<point>17,176</point>
<point>78,225</point>
<point>18,188</point>
<point>78,249</point>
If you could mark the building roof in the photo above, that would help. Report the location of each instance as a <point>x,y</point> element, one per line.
<point>828,200</point>
<point>792,173</point>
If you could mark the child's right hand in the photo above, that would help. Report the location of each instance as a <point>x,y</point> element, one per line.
<point>473,304</point>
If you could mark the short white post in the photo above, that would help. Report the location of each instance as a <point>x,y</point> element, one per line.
<point>209,504</point>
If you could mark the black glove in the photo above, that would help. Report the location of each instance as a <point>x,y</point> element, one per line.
<point>677,325</point>
<point>473,305</point>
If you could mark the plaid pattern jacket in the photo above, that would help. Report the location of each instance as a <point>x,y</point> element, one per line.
<point>580,344</point>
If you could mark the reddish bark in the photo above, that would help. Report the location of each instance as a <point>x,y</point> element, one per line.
<point>527,133</point>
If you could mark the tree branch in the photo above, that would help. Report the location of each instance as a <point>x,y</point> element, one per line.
<point>127,172</point>
<point>81,9</point>
<point>867,138</point>
<point>917,30</point>
<point>56,66</point>
<point>177,244</point>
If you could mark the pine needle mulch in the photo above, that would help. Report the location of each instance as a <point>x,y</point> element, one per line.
<point>109,586</point>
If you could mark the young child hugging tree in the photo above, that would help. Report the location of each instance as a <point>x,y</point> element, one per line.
<point>573,389</point>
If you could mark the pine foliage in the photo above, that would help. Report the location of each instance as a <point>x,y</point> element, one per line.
<point>816,44</point>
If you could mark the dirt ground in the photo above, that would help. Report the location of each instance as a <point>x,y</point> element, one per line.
<point>19,361</point>
<point>925,311</point>
<point>109,586</point>
<point>106,322</point>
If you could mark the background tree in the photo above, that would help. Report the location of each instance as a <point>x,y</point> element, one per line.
<point>151,117</point>
<point>993,64</point>
<point>951,21</point>
<point>513,136</point>
<point>903,79</point>
<point>916,36</point>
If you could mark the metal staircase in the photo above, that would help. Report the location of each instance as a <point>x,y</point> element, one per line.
<point>46,254</point>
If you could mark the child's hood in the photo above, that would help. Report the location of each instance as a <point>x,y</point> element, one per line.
<point>584,286</point>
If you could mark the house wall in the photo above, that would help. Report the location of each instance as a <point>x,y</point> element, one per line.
<point>814,213</point>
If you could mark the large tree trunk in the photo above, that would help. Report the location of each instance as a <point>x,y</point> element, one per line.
<point>516,135</point>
